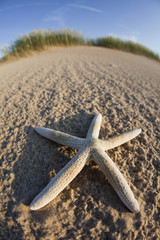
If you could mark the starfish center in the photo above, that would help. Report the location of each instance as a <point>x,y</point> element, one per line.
<point>92,143</point>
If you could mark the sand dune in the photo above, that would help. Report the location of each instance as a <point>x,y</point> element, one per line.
<point>62,89</point>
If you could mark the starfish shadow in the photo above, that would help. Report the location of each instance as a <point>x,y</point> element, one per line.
<point>40,160</point>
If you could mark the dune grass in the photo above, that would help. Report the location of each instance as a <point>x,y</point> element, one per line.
<point>41,40</point>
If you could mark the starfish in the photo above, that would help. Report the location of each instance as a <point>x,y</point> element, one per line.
<point>88,146</point>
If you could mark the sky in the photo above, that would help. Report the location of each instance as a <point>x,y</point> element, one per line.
<point>136,20</point>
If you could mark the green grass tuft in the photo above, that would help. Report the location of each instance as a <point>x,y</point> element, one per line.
<point>128,46</point>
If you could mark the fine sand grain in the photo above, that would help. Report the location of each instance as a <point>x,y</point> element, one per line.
<point>63,89</point>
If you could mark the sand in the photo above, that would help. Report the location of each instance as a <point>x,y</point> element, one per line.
<point>62,89</point>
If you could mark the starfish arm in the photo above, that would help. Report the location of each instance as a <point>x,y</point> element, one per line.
<point>60,137</point>
<point>94,128</point>
<point>116,179</point>
<point>120,139</point>
<point>62,179</point>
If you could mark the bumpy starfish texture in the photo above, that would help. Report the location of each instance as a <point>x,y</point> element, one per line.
<point>91,145</point>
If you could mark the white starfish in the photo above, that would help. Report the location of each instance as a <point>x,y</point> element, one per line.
<point>91,145</point>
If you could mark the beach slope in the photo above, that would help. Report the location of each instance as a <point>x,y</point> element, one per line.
<point>63,89</point>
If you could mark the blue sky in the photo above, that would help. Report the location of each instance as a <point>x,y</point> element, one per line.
<point>136,20</point>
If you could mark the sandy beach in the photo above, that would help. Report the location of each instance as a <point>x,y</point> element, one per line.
<point>63,89</point>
